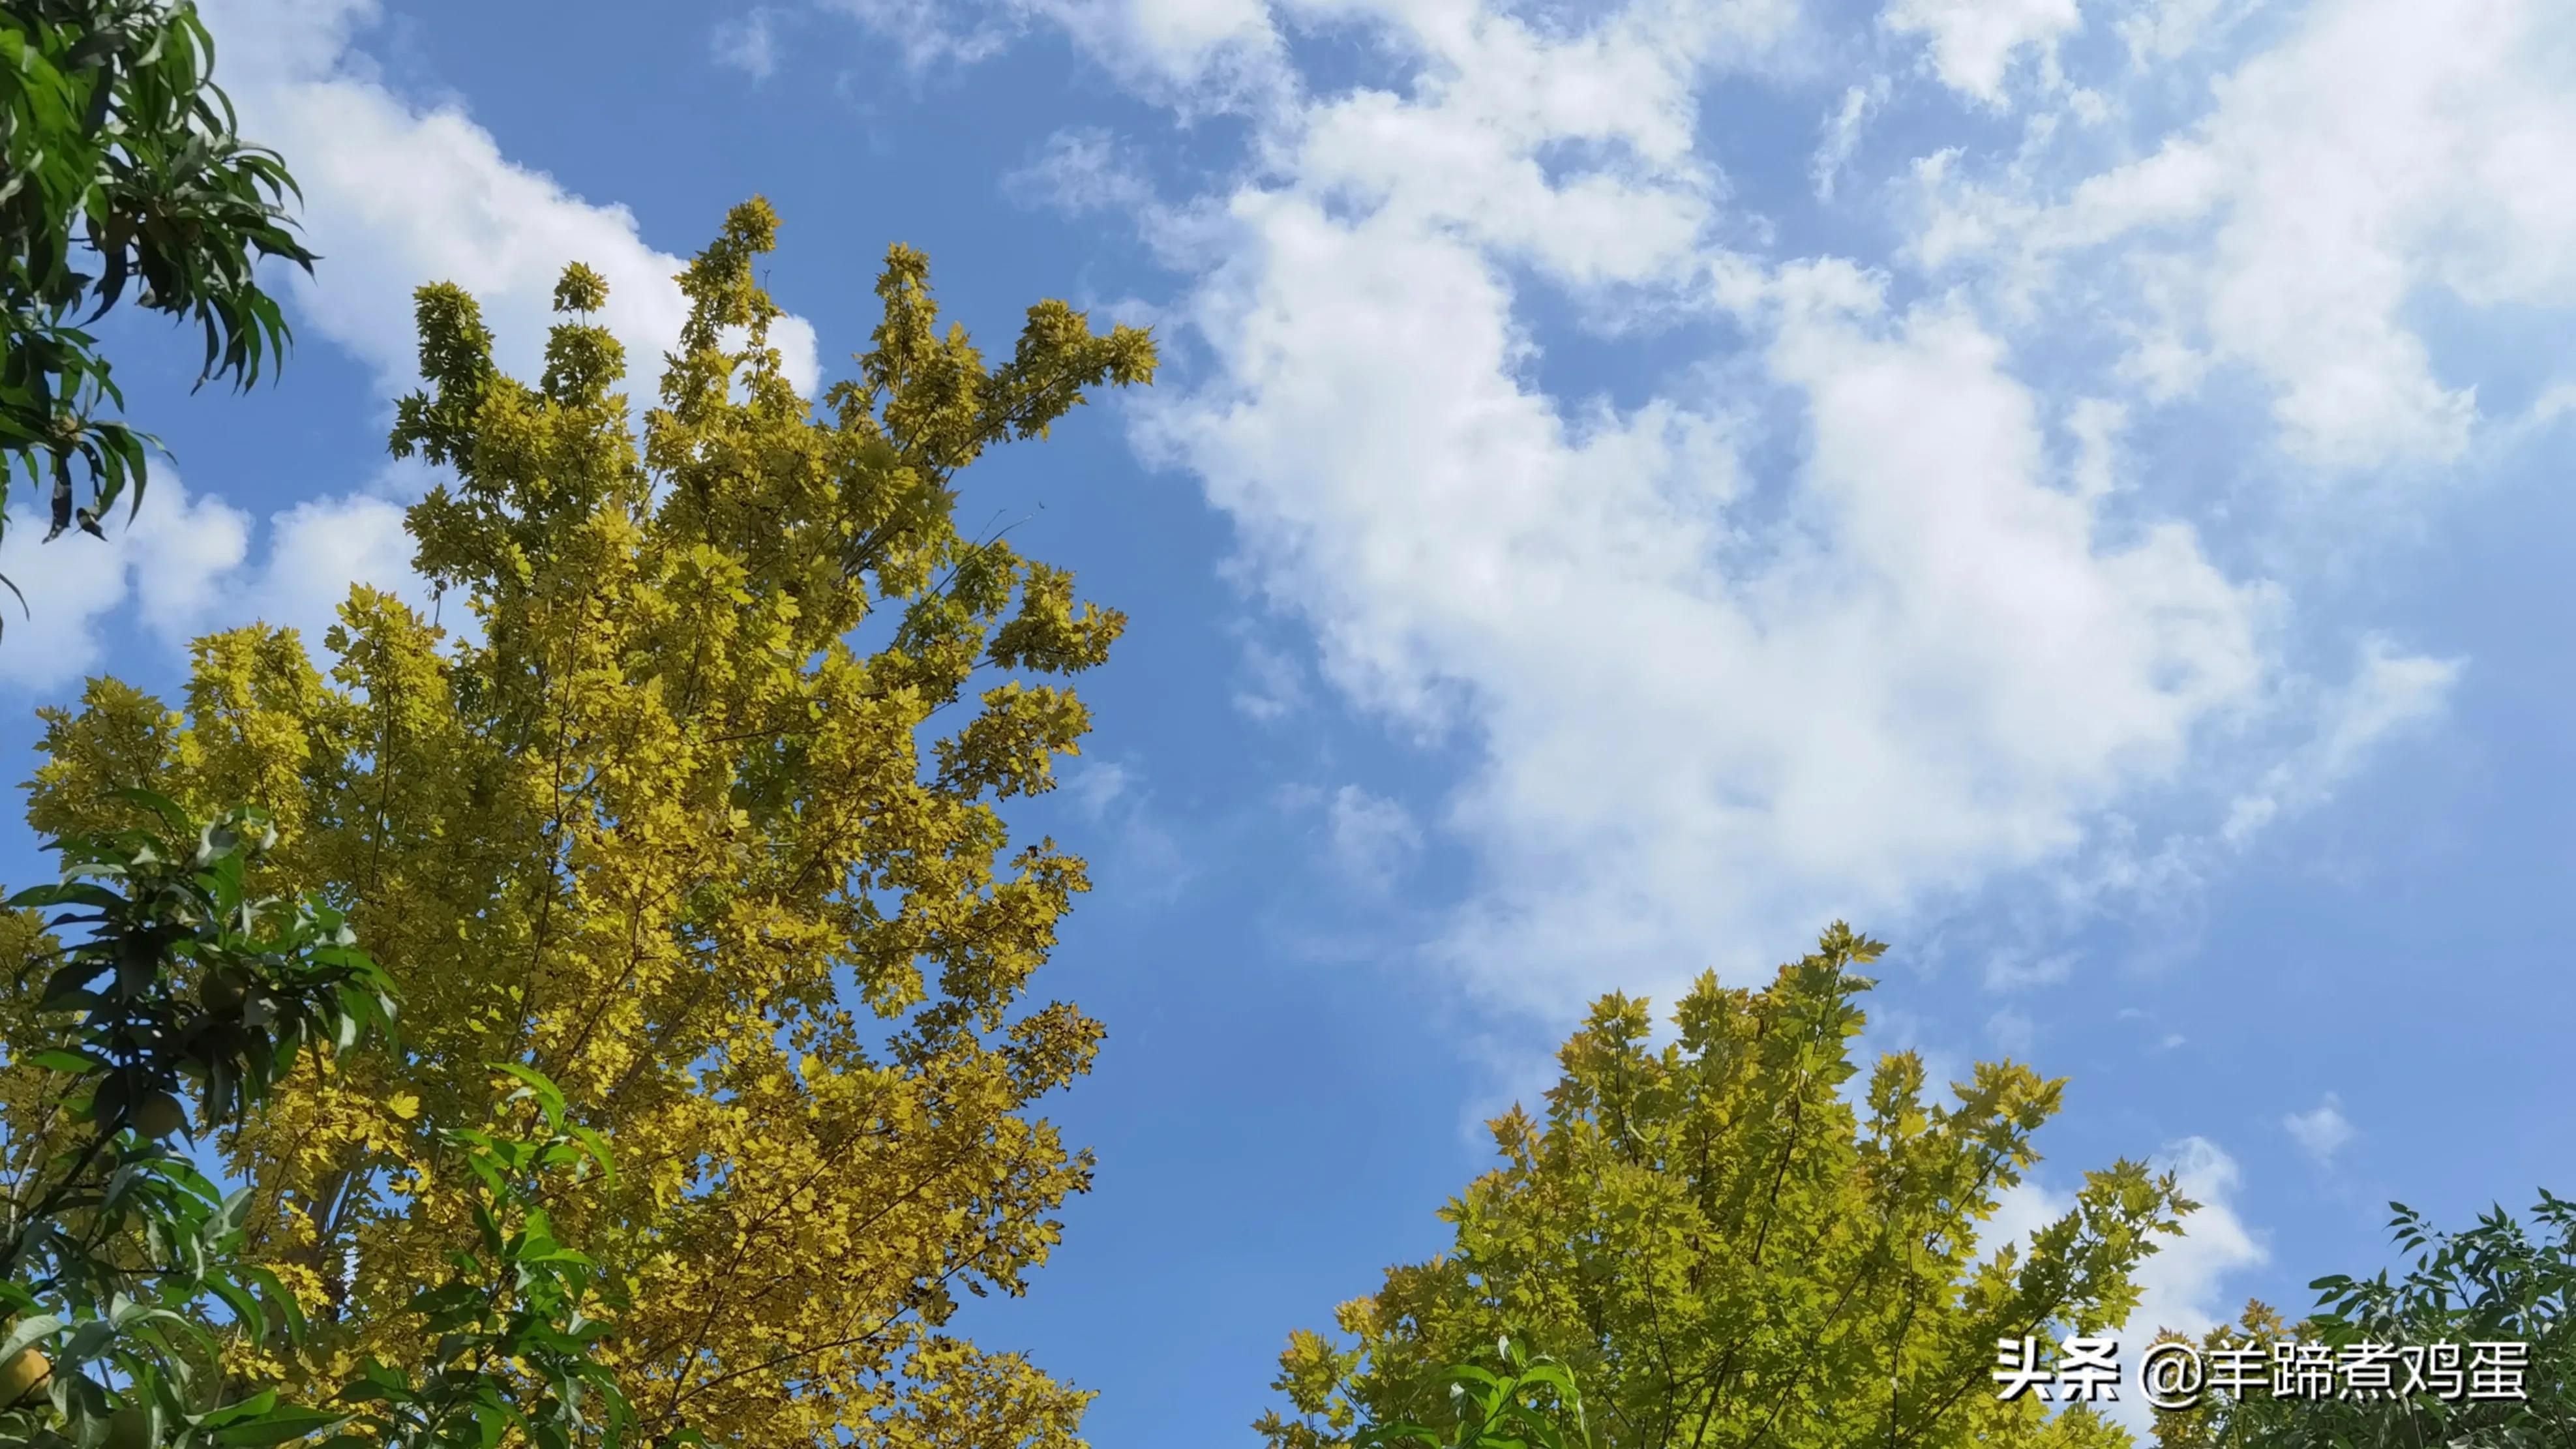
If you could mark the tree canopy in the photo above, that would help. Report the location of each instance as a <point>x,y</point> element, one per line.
<point>1725,1248</point>
<point>2500,1281</point>
<point>174,1013</point>
<point>699,816</point>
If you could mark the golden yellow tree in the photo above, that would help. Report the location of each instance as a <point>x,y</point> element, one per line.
<point>702,821</point>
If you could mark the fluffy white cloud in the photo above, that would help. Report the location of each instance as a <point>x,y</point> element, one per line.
<point>1461,154</point>
<point>2381,151</point>
<point>396,195</point>
<point>2180,1286</point>
<point>173,557</point>
<point>1711,701</point>
<point>2183,1287</point>
<point>1958,656</point>
<point>1954,661</point>
<point>2321,1131</point>
<point>183,567</point>
<point>1974,42</point>
<point>316,550</point>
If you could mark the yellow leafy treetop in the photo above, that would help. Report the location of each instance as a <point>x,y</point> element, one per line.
<point>1732,1240</point>
<point>701,820</point>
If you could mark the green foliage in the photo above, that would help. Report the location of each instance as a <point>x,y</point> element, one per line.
<point>2497,1282</point>
<point>129,1300</point>
<point>119,163</point>
<point>114,1241</point>
<point>513,1325</point>
<point>1531,1404</point>
<point>1729,1252</point>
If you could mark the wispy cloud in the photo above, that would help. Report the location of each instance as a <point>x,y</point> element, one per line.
<point>747,43</point>
<point>1374,839</point>
<point>2322,1131</point>
<point>1082,170</point>
<point>1842,133</point>
<point>1139,851</point>
<point>1194,54</point>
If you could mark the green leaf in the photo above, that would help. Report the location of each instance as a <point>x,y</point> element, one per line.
<point>67,1059</point>
<point>280,1425</point>
<point>549,1097</point>
<point>28,1331</point>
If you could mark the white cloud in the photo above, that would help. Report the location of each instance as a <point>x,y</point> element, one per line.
<point>1273,686</point>
<point>184,568</point>
<point>2182,1285</point>
<point>1202,56</point>
<point>2179,1285</point>
<point>1962,663</point>
<point>1959,659</point>
<point>1842,134</point>
<point>2390,693</point>
<point>316,550</point>
<point>396,195</point>
<point>1096,785</point>
<point>1139,852</point>
<point>2021,1211</point>
<point>935,31</point>
<point>748,43</point>
<point>2016,971</point>
<point>174,554</point>
<point>2164,30</point>
<point>2383,150</point>
<point>1082,169</point>
<point>1224,53</point>
<point>1974,42</point>
<point>2322,1131</point>
<point>1708,699</point>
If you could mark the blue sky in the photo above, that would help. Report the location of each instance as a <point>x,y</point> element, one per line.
<point>2075,486</point>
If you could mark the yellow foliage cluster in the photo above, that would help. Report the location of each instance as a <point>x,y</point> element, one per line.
<point>699,818</point>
